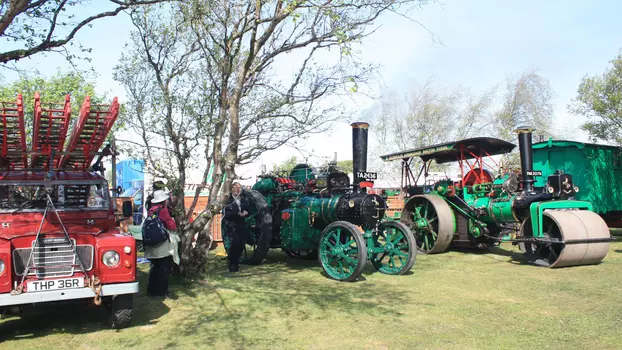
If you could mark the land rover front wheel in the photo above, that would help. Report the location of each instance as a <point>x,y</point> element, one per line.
<point>120,311</point>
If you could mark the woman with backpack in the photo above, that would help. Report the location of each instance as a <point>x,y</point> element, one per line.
<point>161,255</point>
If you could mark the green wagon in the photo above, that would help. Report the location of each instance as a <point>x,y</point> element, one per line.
<point>596,171</point>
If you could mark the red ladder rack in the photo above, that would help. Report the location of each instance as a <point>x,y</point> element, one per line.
<point>89,133</point>
<point>49,131</point>
<point>13,134</point>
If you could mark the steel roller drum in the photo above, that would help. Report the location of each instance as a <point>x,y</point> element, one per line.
<point>579,225</point>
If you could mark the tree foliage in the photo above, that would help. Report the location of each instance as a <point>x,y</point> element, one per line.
<point>288,164</point>
<point>599,99</point>
<point>345,165</point>
<point>291,162</point>
<point>29,27</point>
<point>432,115</point>
<point>248,41</point>
<point>427,116</point>
<point>171,108</point>
<point>526,101</point>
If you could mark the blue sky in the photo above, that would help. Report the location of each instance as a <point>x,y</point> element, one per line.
<point>485,40</point>
<point>482,42</point>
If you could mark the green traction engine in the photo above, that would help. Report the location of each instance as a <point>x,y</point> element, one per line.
<point>480,210</point>
<point>319,214</point>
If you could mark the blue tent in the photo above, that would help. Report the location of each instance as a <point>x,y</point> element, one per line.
<point>129,171</point>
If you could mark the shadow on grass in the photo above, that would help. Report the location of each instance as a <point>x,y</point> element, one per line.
<point>516,258</point>
<point>296,265</point>
<point>282,288</point>
<point>78,317</point>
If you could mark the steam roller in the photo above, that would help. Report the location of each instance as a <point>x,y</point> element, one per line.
<point>481,209</point>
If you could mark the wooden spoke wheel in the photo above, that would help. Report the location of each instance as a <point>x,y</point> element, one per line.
<point>258,230</point>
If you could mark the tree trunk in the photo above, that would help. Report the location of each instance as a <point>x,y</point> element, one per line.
<point>194,260</point>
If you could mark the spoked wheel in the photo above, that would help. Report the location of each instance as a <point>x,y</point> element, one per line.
<point>343,253</point>
<point>568,226</point>
<point>304,254</point>
<point>399,248</point>
<point>258,230</point>
<point>432,222</point>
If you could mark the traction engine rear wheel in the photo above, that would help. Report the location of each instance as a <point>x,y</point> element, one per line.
<point>400,248</point>
<point>567,225</point>
<point>432,222</point>
<point>258,231</point>
<point>343,253</point>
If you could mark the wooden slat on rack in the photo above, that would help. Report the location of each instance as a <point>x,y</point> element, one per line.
<point>13,135</point>
<point>89,133</point>
<point>51,121</point>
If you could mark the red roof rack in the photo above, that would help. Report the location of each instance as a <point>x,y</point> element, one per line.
<point>49,134</point>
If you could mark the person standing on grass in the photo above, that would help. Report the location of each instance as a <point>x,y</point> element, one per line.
<point>158,185</point>
<point>164,254</point>
<point>235,211</point>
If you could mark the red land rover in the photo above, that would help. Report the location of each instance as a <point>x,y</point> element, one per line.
<point>59,238</point>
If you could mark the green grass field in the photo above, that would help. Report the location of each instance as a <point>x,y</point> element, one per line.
<point>456,300</point>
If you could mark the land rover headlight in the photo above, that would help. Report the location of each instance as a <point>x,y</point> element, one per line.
<point>110,258</point>
<point>1,266</point>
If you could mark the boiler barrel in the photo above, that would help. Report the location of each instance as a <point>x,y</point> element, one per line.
<point>498,210</point>
<point>357,208</point>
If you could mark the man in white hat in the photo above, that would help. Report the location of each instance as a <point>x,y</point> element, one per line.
<point>164,254</point>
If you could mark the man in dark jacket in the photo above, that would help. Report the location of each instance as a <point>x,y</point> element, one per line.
<point>236,210</point>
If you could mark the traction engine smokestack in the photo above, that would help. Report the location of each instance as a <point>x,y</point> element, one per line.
<point>526,157</point>
<point>359,152</point>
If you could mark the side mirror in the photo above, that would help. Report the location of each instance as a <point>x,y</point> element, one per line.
<point>127,209</point>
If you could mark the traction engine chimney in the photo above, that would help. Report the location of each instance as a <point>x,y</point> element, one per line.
<point>359,152</point>
<point>526,157</point>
